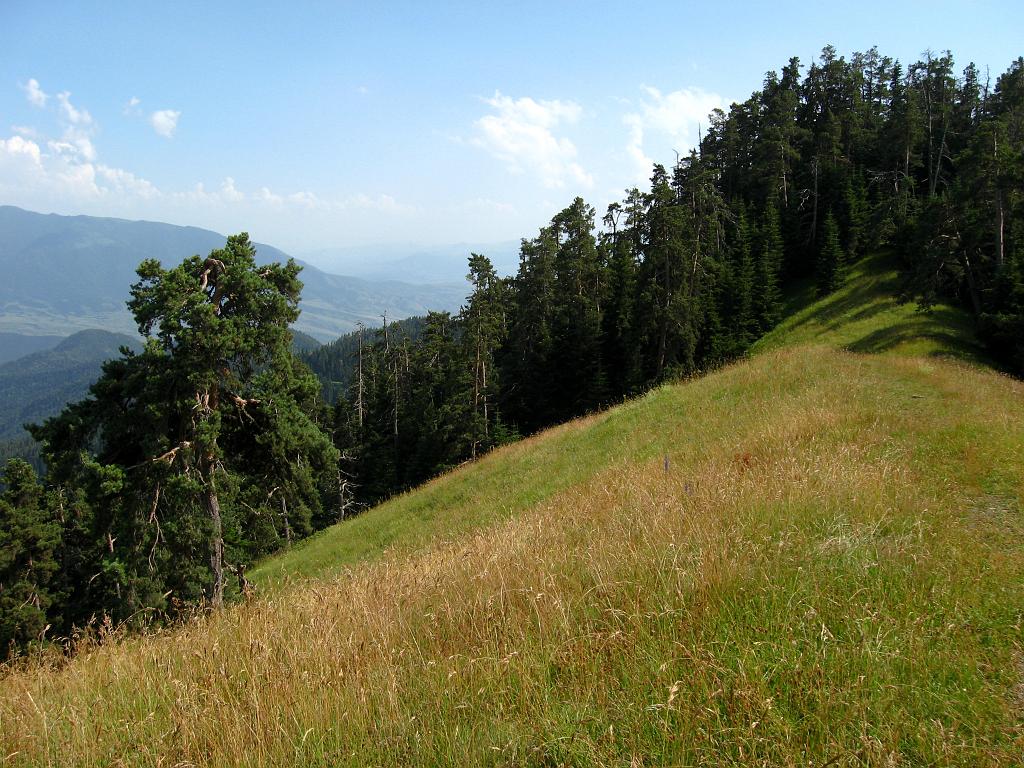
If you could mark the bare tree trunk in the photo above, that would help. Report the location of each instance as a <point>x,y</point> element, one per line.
<point>972,286</point>
<point>484,374</point>
<point>938,160</point>
<point>785,188</point>
<point>359,384</point>
<point>1000,219</point>
<point>394,372</point>
<point>342,501</point>
<point>1000,232</point>
<point>476,395</point>
<point>814,213</point>
<point>216,536</point>
<point>207,402</point>
<point>287,525</point>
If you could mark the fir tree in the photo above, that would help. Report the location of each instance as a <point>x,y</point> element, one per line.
<point>831,266</point>
<point>215,402</point>
<point>29,538</point>
<point>767,295</point>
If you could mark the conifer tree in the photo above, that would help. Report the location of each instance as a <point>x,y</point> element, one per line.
<point>29,538</point>
<point>620,244</point>
<point>526,390</point>
<point>741,311</point>
<point>214,401</point>
<point>577,377</point>
<point>767,295</point>
<point>831,259</point>
<point>484,320</point>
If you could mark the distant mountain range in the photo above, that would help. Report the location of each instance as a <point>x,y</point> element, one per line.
<point>62,274</point>
<point>419,264</point>
<point>38,385</point>
<point>15,345</point>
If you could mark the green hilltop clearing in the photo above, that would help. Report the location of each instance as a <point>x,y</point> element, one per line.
<point>814,556</point>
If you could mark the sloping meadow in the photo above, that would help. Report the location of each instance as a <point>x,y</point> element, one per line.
<point>810,556</point>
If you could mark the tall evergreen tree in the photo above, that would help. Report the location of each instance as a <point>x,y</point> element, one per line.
<point>767,295</point>
<point>485,324</point>
<point>29,539</point>
<point>214,400</point>
<point>831,267</point>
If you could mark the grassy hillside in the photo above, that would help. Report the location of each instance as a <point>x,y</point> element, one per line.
<point>828,570</point>
<point>867,316</point>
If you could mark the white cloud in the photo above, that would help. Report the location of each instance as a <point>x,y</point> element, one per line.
<point>24,130</point>
<point>673,117</point>
<point>126,183</point>
<point>74,142</point>
<point>269,197</point>
<point>230,192</point>
<point>63,170</point>
<point>35,95</point>
<point>374,202</point>
<point>521,135</point>
<point>18,147</point>
<point>71,113</point>
<point>362,90</point>
<point>165,122</point>
<point>27,171</point>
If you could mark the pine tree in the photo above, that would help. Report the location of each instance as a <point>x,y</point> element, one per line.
<point>620,244</point>
<point>742,313</point>
<point>29,537</point>
<point>214,403</point>
<point>484,319</point>
<point>831,265</point>
<point>767,295</point>
<point>526,385</point>
<point>577,378</point>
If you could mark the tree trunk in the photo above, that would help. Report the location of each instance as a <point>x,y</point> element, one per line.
<point>486,416</point>
<point>216,539</point>
<point>785,187</point>
<point>972,287</point>
<point>359,385</point>
<point>814,213</point>
<point>287,525</point>
<point>1000,217</point>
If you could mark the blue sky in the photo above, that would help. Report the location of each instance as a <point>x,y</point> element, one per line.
<point>318,125</point>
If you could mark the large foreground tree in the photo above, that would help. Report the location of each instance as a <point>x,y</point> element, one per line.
<point>215,409</point>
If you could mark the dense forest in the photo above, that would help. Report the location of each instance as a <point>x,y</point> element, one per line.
<point>215,445</point>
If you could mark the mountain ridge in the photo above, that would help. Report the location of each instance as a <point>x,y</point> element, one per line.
<point>67,273</point>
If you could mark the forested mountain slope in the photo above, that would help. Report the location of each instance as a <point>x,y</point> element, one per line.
<point>15,345</point>
<point>815,554</point>
<point>68,273</point>
<point>39,385</point>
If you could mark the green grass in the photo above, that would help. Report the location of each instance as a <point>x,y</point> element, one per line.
<point>866,315</point>
<point>831,572</point>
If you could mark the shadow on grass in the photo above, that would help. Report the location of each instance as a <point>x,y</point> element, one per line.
<point>859,300</point>
<point>945,327</point>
